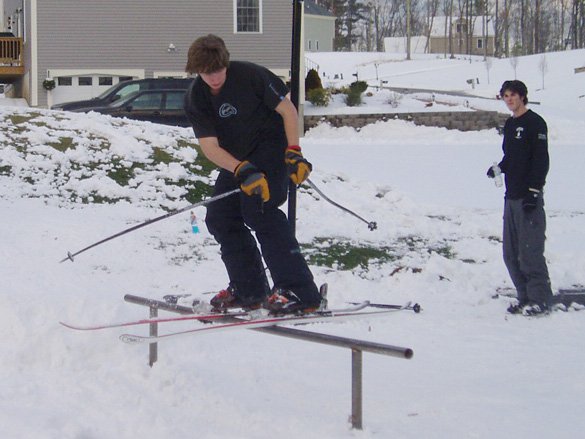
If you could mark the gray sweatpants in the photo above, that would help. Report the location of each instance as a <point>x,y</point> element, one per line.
<point>523,246</point>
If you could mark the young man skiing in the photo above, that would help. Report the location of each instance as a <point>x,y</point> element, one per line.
<point>525,166</point>
<point>248,127</point>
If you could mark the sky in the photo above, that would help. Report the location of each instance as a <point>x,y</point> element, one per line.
<point>476,372</point>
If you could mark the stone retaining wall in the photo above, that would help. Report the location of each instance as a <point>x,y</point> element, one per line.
<point>456,120</point>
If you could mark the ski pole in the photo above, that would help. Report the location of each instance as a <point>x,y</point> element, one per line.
<point>371,224</point>
<point>70,255</point>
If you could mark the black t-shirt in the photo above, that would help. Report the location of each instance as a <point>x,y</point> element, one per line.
<point>242,115</point>
<point>526,161</point>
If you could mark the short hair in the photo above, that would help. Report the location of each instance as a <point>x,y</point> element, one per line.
<point>515,86</point>
<point>207,54</point>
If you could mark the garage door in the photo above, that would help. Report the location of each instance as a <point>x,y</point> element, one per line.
<point>76,88</point>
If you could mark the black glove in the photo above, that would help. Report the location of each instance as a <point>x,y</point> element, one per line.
<point>252,181</point>
<point>530,200</point>
<point>490,172</point>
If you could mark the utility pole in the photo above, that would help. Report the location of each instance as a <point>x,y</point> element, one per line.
<point>295,74</point>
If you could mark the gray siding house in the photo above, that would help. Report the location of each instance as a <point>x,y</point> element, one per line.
<point>86,46</point>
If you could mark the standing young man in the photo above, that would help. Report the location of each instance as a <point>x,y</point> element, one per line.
<point>525,165</point>
<point>248,127</point>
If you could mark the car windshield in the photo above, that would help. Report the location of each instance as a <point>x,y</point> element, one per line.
<point>122,92</point>
<point>107,92</point>
<point>124,100</point>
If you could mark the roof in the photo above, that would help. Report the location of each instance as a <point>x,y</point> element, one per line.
<point>313,8</point>
<point>438,29</point>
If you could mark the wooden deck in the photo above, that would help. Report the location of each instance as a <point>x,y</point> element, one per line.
<point>11,62</point>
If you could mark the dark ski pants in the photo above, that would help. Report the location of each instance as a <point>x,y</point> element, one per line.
<point>523,248</point>
<point>230,219</point>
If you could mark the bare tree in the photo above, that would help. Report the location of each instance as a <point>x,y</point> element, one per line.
<point>506,27</point>
<point>578,24</point>
<point>448,11</point>
<point>536,28</point>
<point>521,27</point>
<point>431,10</point>
<point>497,30</point>
<point>563,12</point>
<point>389,18</point>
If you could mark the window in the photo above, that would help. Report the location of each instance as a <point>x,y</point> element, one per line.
<point>248,15</point>
<point>461,28</point>
<point>309,45</point>
<point>106,80</point>
<point>317,45</point>
<point>175,100</point>
<point>147,101</point>
<point>85,80</point>
<point>64,81</point>
<point>480,43</point>
<point>125,78</point>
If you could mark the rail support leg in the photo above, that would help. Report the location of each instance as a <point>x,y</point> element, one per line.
<point>356,389</point>
<point>153,347</point>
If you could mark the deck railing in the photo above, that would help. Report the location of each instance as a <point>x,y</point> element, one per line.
<point>11,51</point>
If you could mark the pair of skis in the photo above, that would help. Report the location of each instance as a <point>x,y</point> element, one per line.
<point>246,320</point>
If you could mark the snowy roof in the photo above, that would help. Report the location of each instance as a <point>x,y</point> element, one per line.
<point>313,8</point>
<point>438,27</point>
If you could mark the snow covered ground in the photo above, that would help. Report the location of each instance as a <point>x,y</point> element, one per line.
<point>475,373</point>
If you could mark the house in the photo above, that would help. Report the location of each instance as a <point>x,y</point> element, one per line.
<point>478,33</point>
<point>319,28</point>
<point>85,46</point>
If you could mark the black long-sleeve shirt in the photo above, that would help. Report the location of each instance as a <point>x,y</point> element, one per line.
<point>526,160</point>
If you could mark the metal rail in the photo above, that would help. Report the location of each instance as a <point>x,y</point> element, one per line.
<point>357,347</point>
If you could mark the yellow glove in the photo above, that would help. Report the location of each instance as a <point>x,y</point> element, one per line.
<point>252,181</point>
<point>298,167</point>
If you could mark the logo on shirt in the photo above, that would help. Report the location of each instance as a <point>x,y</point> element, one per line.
<point>519,132</point>
<point>541,136</point>
<point>227,110</point>
<point>275,91</point>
